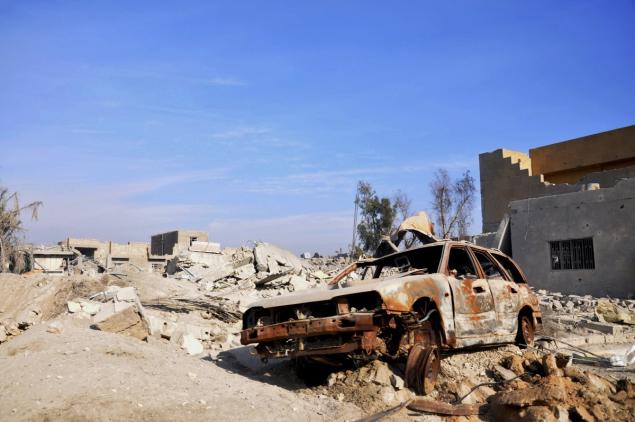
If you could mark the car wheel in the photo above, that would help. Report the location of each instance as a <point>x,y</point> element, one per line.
<point>422,368</point>
<point>526,331</point>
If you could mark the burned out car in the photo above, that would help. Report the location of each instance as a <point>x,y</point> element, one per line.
<point>404,305</point>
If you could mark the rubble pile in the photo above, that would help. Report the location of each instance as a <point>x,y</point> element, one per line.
<point>261,271</point>
<point>595,318</point>
<point>575,304</point>
<point>373,387</point>
<point>550,388</point>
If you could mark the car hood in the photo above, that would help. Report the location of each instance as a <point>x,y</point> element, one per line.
<point>384,286</point>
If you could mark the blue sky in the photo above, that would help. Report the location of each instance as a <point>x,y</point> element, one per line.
<point>254,120</point>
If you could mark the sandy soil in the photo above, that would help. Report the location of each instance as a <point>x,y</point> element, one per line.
<point>83,374</point>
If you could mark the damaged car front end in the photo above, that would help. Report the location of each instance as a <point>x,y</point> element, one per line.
<point>402,305</point>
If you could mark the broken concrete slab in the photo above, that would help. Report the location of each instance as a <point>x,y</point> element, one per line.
<point>244,271</point>
<point>127,322</point>
<point>207,247</point>
<point>91,308</point>
<point>73,307</point>
<point>126,294</point>
<point>298,283</point>
<point>266,253</point>
<point>504,374</point>
<point>191,345</point>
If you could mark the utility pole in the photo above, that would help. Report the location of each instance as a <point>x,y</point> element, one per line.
<point>354,226</point>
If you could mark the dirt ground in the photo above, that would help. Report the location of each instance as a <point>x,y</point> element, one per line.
<point>84,374</point>
<point>59,368</point>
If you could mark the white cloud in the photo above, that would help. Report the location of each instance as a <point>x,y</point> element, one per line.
<point>217,81</point>
<point>240,132</point>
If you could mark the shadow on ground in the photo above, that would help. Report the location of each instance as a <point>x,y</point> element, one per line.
<point>243,361</point>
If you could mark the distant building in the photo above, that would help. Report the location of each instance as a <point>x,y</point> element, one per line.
<point>570,210</point>
<point>163,244</point>
<point>110,255</point>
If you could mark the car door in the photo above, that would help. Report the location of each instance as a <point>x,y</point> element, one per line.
<point>504,291</point>
<point>474,312</point>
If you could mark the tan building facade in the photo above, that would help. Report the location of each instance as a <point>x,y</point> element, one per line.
<point>565,212</point>
<point>564,167</point>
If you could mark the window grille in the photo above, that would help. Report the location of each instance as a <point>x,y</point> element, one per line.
<point>572,254</point>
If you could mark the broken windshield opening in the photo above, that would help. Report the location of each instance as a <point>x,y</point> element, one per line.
<point>425,259</point>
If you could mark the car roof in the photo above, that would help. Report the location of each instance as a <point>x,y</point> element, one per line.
<point>428,245</point>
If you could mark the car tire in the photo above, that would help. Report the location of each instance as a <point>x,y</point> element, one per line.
<point>526,330</point>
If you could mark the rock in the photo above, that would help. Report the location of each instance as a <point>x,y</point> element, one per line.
<point>272,266</point>
<point>503,374</point>
<point>614,313</point>
<point>331,380</point>
<point>397,382</point>
<point>298,283</point>
<point>550,366</point>
<point>576,374</point>
<point>91,308</point>
<point>382,375</point>
<point>109,309</point>
<point>127,322</point>
<point>320,275</point>
<point>265,253</point>
<point>514,363</point>
<point>530,395</point>
<point>11,327</point>
<point>599,384</point>
<point>126,294</point>
<point>387,395</point>
<point>55,327</point>
<point>3,334</point>
<point>191,345</point>
<point>73,307</point>
<point>244,271</point>
<point>579,413</point>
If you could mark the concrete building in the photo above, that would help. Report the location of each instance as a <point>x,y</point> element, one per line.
<point>553,169</point>
<point>163,243</point>
<point>51,260</point>
<point>581,242</point>
<point>110,255</point>
<point>570,212</point>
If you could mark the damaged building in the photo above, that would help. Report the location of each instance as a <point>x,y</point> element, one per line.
<point>109,256</point>
<point>565,212</point>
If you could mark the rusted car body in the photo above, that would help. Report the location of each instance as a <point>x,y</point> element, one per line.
<point>445,294</point>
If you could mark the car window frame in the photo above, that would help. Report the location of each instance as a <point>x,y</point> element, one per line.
<point>502,271</point>
<point>520,271</point>
<point>477,269</point>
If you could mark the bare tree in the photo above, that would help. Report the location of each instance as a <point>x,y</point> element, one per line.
<point>401,203</point>
<point>11,226</point>
<point>453,202</point>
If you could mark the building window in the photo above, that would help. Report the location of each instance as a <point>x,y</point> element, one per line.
<point>573,254</point>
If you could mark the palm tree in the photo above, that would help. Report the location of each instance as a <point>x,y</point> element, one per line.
<point>11,226</point>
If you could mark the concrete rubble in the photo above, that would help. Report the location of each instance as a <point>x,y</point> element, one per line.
<point>248,273</point>
<point>587,319</point>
